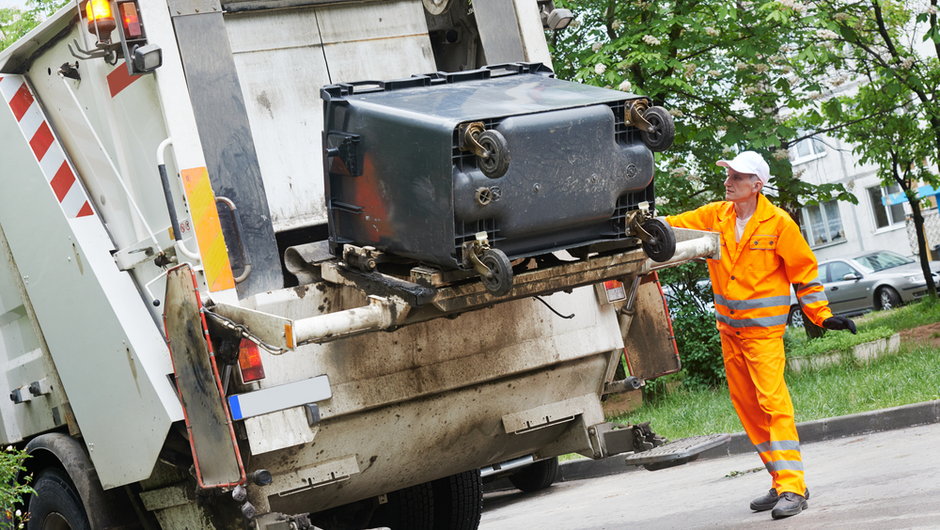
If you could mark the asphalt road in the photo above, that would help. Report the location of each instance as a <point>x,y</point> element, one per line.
<point>883,480</point>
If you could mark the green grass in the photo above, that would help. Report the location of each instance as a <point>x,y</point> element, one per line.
<point>927,311</point>
<point>835,342</point>
<point>911,376</point>
<point>871,326</point>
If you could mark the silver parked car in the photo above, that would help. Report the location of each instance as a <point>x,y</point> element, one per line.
<point>878,279</point>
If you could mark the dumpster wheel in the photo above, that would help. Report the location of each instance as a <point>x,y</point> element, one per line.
<point>662,129</point>
<point>499,279</point>
<point>660,246</point>
<point>495,160</point>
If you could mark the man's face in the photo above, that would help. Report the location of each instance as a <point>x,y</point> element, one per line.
<point>741,186</point>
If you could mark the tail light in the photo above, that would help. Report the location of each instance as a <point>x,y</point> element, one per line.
<point>614,291</point>
<point>100,19</point>
<point>130,20</point>
<point>249,361</point>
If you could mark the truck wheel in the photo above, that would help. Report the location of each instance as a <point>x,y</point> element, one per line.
<point>407,509</point>
<point>458,501</point>
<point>497,161</point>
<point>660,137</point>
<point>663,245</point>
<point>498,263</point>
<point>56,504</point>
<point>537,476</point>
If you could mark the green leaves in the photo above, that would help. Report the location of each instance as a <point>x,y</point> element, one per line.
<point>14,22</point>
<point>12,487</point>
<point>726,73</point>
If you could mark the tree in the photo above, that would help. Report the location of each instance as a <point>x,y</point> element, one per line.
<point>732,74</point>
<point>724,69</point>
<point>892,50</point>
<point>14,22</point>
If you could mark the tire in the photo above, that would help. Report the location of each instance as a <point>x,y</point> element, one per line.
<point>496,163</point>
<point>537,476</point>
<point>458,501</point>
<point>56,504</point>
<point>500,282</point>
<point>663,245</point>
<point>795,318</point>
<point>887,298</point>
<point>663,132</point>
<point>407,509</point>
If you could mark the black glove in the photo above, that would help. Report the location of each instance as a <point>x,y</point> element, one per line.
<point>840,323</point>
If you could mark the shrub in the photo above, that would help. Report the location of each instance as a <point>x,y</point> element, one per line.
<point>699,348</point>
<point>693,322</point>
<point>11,491</point>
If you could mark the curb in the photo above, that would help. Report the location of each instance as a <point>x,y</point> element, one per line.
<point>810,431</point>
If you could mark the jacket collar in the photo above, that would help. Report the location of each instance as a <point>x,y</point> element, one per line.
<point>764,211</point>
<point>726,218</point>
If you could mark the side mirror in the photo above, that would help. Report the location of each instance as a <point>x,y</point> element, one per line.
<point>851,276</point>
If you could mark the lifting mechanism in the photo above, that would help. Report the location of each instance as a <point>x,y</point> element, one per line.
<point>427,293</point>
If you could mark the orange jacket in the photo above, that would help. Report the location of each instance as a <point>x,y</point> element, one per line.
<point>752,278</point>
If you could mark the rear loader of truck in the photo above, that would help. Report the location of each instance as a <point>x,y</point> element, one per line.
<point>295,263</point>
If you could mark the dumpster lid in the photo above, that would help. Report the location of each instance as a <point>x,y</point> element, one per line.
<point>491,92</point>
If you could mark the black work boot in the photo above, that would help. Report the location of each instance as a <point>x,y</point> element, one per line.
<point>789,504</point>
<point>765,502</point>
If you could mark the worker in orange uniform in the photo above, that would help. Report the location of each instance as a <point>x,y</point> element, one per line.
<point>763,253</point>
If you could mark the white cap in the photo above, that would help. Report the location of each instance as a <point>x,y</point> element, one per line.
<point>749,163</point>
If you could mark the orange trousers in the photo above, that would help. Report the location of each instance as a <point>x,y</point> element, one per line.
<point>759,394</point>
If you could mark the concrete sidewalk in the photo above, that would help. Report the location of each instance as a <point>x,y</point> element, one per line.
<point>811,431</point>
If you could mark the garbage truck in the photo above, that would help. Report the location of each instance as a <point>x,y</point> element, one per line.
<point>316,263</point>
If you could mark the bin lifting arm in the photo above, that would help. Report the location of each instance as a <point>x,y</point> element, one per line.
<point>381,313</point>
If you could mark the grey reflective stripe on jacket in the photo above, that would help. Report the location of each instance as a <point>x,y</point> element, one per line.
<point>800,286</point>
<point>761,322</point>
<point>809,298</point>
<point>754,303</point>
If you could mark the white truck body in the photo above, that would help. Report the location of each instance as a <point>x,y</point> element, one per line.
<point>82,218</point>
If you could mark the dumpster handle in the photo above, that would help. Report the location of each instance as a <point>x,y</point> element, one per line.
<point>237,223</point>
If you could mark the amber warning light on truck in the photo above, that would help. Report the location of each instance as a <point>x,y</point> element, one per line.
<point>131,42</point>
<point>100,20</point>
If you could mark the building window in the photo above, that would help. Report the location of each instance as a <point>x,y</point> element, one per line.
<point>822,224</point>
<point>885,215</point>
<point>808,149</point>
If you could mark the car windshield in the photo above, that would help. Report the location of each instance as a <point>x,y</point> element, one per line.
<point>879,261</point>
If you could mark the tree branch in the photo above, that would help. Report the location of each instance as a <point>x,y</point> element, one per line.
<point>933,28</point>
<point>844,124</point>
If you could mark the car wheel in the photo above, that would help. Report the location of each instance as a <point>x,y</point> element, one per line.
<point>887,298</point>
<point>795,318</point>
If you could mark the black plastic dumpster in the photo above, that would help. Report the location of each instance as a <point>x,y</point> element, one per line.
<point>469,170</point>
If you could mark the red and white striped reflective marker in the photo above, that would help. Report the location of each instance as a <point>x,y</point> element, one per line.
<point>49,153</point>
